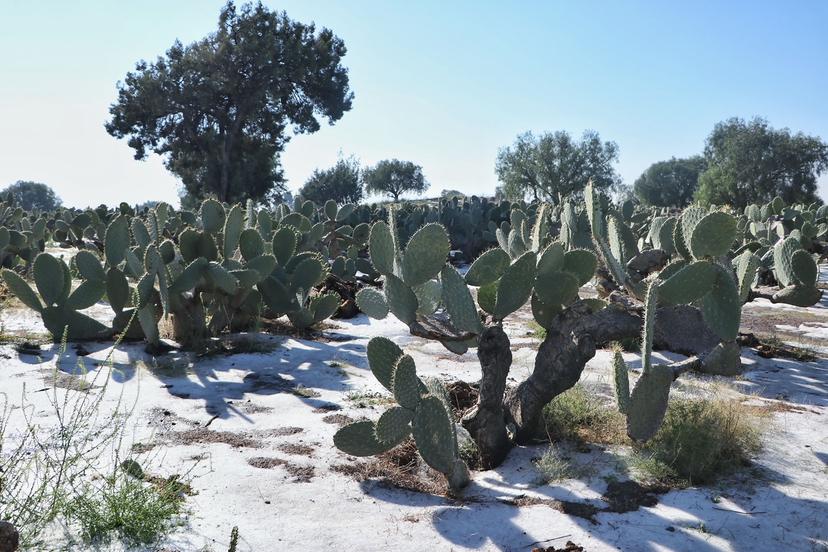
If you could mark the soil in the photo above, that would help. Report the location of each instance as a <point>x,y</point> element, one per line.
<point>577,509</point>
<point>298,450</point>
<point>568,547</point>
<point>301,474</point>
<point>325,408</point>
<point>338,419</point>
<point>401,468</point>
<point>462,395</point>
<point>629,496</point>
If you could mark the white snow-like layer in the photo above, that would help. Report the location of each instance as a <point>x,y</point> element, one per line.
<point>786,508</point>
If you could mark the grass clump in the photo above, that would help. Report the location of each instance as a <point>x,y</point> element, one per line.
<point>555,465</point>
<point>579,415</point>
<point>536,330</point>
<point>700,441</point>
<point>136,511</point>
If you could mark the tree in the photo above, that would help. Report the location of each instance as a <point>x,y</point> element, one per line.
<point>750,162</point>
<point>394,177</point>
<point>31,195</point>
<point>219,110</point>
<point>554,165</point>
<point>341,183</point>
<point>670,183</point>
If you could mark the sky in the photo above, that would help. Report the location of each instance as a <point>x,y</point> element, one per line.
<point>442,84</point>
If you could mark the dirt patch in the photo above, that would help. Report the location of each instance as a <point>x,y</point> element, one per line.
<point>769,406</point>
<point>199,436</point>
<point>568,547</point>
<point>140,448</point>
<point>325,408</point>
<point>62,380</point>
<point>629,496</point>
<point>296,449</point>
<point>773,347</point>
<point>300,474</point>
<point>577,509</point>
<point>338,419</point>
<point>277,431</point>
<point>268,382</point>
<point>462,396</point>
<point>319,333</point>
<point>401,468</point>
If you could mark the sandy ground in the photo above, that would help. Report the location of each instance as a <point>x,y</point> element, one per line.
<point>255,433</point>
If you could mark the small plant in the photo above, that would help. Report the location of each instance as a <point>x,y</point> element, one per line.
<point>128,507</point>
<point>700,441</point>
<point>234,539</point>
<point>554,465</point>
<point>581,416</point>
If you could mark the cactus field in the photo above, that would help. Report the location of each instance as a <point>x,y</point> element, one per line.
<point>365,377</point>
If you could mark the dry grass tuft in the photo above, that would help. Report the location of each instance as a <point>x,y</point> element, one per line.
<point>701,440</point>
<point>579,415</point>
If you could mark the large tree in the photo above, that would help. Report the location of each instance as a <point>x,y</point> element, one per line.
<point>219,110</point>
<point>342,183</point>
<point>554,165</point>
<point>670,183</point>
<point>750,161</point>
<point>31,195</point>
<point>394,178</point>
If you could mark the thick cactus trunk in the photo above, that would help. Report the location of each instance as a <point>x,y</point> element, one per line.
<point>486,422</point>
<point>570,343</point>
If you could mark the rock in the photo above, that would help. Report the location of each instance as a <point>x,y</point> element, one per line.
<point>681,329</point>
<point>9,537</point>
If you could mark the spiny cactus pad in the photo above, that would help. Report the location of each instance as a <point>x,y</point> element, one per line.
<point>515,286</point>
<point>488,267</point>
<point>648,403</point>
<point>425,254</point>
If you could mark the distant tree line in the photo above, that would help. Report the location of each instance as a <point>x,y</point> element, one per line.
<point>743,162</point>
<point>347,182</point>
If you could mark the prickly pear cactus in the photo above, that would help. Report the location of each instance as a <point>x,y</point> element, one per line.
<point>420,413</point>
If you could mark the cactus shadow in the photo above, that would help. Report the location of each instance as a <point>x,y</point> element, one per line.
<point>297,367</point>
<point>797,382</point>
<point>746,512</point>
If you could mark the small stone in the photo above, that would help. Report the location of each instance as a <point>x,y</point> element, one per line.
<point>9,537</point>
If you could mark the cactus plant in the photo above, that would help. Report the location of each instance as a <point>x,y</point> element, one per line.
<point>420,413</point>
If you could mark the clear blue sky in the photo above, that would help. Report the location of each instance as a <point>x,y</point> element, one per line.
<point>443,84</point>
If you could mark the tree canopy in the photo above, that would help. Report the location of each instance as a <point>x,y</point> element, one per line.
<point>341,183</point>
<point>219,110</point>
<point>750,162</point>
<point>554,165</point>
<point>670,183</point>
<point>31,195</point>
<point>394,178</point>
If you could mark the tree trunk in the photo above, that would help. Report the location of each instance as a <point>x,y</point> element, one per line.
<point>569,344</point>
<point>486,422</point>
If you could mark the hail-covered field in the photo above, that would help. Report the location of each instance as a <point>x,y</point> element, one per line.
<point>252,432</point>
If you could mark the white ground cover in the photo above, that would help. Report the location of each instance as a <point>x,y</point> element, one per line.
<point>277,399</point>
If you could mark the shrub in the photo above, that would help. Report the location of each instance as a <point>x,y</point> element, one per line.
<point>701,440</point>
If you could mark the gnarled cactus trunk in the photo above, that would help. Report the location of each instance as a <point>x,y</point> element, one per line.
<point>569,344</point>
<point>486,422</point>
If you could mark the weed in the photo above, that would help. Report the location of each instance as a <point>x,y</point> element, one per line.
<point>554,465</point>
<point>581,416</point>
<point>700,441</point>
<point>136,511</point>
<point>536,330</point>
